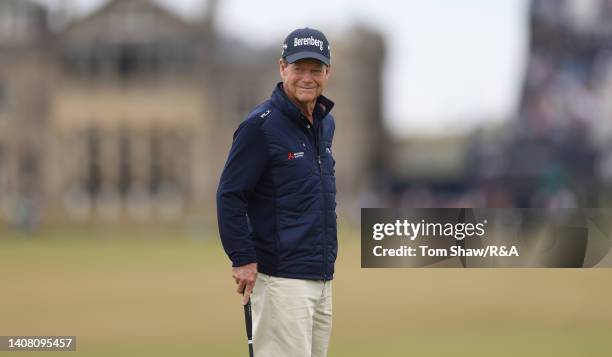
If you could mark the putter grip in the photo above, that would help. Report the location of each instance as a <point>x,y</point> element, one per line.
<point>248,319</point>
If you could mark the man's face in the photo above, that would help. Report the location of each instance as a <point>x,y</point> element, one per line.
<point>304,80</point>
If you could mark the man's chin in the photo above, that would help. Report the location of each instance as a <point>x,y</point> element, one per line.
<point>306,98</point>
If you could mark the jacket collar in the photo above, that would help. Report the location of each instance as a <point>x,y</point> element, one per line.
<point>284,104</point>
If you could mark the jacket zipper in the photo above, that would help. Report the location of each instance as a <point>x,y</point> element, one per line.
<point>323,211</point>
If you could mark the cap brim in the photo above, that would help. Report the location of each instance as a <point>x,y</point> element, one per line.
<point>301,55</point>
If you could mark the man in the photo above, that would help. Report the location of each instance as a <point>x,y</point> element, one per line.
<point>276,205</point>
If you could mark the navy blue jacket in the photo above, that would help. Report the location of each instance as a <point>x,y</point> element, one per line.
<point>277,194</point>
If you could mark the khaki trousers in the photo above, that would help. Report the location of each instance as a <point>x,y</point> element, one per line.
<point>291,317</point>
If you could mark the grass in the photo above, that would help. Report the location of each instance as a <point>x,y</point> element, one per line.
<point>160,291</point>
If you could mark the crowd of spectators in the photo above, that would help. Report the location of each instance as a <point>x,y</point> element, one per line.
<point>557,151</point>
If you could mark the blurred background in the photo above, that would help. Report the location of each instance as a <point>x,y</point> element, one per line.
<point>116,117</point>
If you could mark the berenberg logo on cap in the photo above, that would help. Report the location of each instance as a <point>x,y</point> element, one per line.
<point>307,41</point>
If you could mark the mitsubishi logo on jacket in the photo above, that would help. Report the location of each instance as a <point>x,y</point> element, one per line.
<point>295,155</point>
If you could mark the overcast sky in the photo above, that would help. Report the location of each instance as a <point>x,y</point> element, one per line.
<point>450,65</point>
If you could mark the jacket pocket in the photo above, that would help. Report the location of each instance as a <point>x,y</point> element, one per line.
<point>291,167</point>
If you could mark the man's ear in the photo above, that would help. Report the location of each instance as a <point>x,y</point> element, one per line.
<point>327,71</point>
<point>282,64</point>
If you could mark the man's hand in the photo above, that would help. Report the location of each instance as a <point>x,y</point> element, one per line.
<point>245,277</point>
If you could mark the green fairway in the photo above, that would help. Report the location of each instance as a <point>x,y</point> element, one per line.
<point>168,291</point>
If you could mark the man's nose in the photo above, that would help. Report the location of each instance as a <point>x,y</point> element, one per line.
<point>307,77</point>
